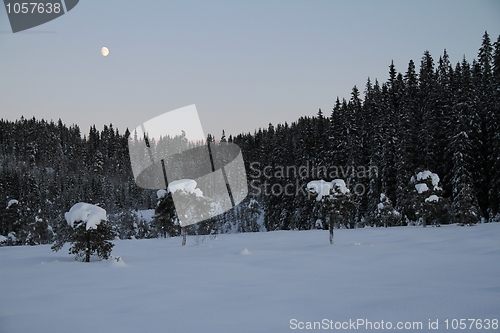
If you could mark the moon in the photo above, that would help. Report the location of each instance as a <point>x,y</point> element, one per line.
<point>105,51</point>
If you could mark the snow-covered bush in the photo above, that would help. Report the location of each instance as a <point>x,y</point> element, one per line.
<point>90,232</point>
<point>428,204</point>
<point>3,240</point>
<point>333,201</point>
<point>386,214</point>
<point>182,202</point>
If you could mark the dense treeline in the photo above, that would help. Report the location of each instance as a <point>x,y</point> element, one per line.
<point>440,117</point>
<point>46,167</point>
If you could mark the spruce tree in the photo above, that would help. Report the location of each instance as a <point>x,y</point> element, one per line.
<point>165,219</point>
<point>87,237</point>
<point>87,242</point>
<point>494,192</point>
<point>190,208</point>
<point>428,203</point>
<point>335,205</point>
<point>386,213</point>
<point>427,116</point>
<point>464,206</point>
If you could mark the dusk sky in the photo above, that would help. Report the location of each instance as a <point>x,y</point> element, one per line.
<point>244,64</point>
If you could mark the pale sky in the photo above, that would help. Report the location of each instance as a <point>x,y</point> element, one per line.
<point>243,63</point>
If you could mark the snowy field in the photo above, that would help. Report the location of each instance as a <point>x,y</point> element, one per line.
<point>262,282</point>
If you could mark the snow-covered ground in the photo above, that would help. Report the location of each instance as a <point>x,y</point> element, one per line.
<point>262,282</point>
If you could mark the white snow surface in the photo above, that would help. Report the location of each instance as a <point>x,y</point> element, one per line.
<point>432,198</point>
<point>188,185</point>
<point>323,188</point>
<point>399,274</point>
<point>12,202</point>
<point>3,239</point>
<point>92,215</point>
<point>421,188</point>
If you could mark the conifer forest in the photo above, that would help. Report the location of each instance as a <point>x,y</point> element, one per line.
<point>422,148</point>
